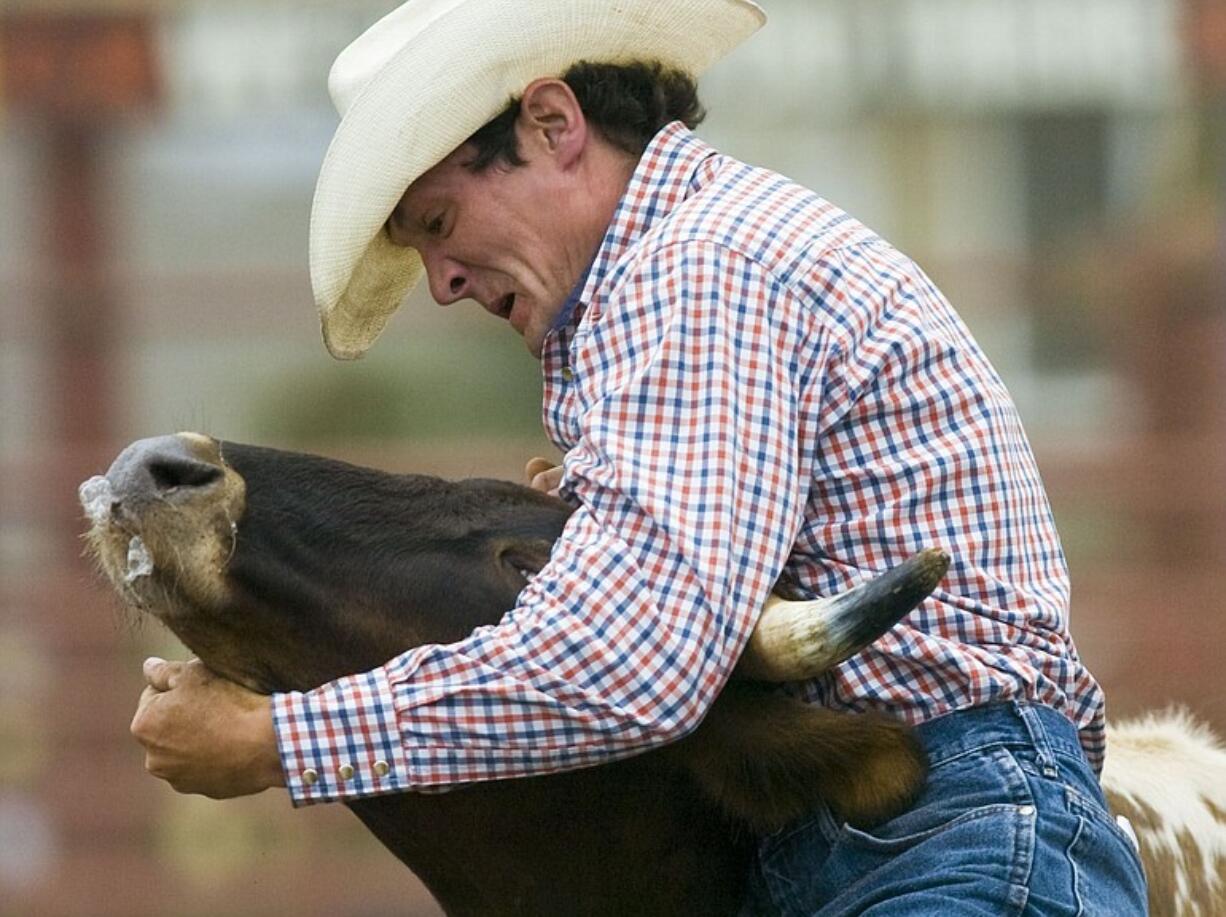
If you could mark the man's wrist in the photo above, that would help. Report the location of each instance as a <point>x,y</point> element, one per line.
<point>267,762</point>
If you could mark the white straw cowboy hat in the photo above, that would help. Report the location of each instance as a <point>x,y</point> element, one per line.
<point>428,75</point>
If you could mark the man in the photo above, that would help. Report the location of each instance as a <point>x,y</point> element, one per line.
<point>746,383</point>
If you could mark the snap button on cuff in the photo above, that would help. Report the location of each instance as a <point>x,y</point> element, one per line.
<point>345,771</point>
<point>310,776</point>
<point>382,768</point>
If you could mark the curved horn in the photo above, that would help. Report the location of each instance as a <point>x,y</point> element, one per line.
<point>794,641</point>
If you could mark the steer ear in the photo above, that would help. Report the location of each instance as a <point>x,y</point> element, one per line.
<point>520,558</point>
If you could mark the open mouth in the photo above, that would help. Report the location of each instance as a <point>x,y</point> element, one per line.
<point>503,307</point>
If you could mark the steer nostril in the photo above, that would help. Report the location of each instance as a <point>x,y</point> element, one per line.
<point>160,466</point>
<point>171,472</point>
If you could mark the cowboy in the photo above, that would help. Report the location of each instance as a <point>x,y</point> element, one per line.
<point>746,383</point>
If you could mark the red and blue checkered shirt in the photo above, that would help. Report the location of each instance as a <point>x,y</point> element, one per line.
<point>751,383</point>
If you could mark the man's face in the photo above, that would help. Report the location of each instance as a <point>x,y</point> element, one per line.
<point>504,237</point>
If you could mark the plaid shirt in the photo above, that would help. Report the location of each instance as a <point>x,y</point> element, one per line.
<point>749,383</point>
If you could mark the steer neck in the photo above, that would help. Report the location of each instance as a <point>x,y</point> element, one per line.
<point>630,837</point>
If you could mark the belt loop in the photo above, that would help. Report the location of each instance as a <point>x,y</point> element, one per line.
<point>1038,735</point>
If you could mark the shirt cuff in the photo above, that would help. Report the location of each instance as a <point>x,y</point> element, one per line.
<point>341,740</point>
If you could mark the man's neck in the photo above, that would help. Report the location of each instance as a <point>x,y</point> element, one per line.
<point>607,173</point>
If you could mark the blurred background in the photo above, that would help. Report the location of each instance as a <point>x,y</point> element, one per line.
<point>1055,165</point>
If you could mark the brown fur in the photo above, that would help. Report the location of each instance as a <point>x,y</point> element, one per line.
<point>1165,865</point>
<point>766,757</point>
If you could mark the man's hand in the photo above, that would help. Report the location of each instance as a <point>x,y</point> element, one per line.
<point>543,475</point>
<point>204,734</point>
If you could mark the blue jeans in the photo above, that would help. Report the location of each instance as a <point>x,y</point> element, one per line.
<point>1011,821</point>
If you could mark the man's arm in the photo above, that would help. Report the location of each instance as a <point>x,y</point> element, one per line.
<point>683,429</point>
<point>685,472</point>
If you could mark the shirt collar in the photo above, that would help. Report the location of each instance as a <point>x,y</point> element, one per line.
<point>562,319</point>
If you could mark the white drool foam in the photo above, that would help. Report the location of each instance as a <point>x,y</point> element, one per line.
<point>96,498</point>
<point>140,561</point>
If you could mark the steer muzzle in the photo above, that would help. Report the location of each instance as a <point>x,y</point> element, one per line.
<point>169,505</point>
<point>159,469</point>
<point>794,641</point>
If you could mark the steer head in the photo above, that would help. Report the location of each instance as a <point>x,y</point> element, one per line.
<point>282,571</point>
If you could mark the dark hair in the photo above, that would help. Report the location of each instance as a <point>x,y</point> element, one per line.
<point>626,103</point>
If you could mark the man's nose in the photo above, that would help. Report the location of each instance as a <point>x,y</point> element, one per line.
<point>448,280</point>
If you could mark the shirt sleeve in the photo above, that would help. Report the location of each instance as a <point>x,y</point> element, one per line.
<point>684,470</point>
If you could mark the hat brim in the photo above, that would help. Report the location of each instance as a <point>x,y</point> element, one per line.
<point>442,85</point>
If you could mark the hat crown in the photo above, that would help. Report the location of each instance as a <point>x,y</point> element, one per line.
<point>371,51</point>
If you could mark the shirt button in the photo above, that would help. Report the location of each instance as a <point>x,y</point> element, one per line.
<point>567,374</point>
<point>382,768</point>
<point>310,776</point>
<point>346,771</point>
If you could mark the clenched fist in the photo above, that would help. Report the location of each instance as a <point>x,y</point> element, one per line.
<point>204,734</point>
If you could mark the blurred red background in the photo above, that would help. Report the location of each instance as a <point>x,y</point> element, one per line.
<point>152,277</point>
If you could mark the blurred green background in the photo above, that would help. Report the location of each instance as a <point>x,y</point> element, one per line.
<point>1055,165</point>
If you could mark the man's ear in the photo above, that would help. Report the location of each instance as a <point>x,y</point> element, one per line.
<point>551,121</point>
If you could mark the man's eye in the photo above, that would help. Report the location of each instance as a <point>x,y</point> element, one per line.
<point>435,226</point>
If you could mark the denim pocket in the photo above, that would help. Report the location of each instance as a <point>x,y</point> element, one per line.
<point>892,846</point>
<point>975,817</point>
<point>1091,811</point>
<point>1109,875</point>
<point>962,788</point>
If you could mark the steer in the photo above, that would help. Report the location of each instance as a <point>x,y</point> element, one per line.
<point>283,571</point>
